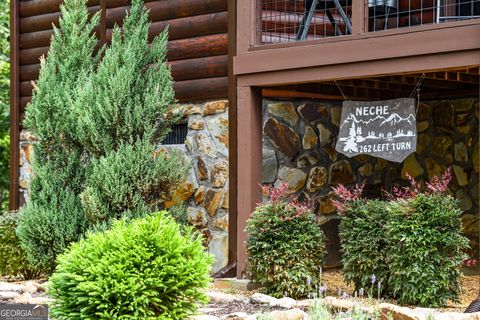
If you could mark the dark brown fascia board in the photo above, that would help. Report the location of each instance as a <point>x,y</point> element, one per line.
<point>363,69</point>
<point>360,49</point>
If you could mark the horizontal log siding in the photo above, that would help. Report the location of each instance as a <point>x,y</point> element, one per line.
<point>197,48</point>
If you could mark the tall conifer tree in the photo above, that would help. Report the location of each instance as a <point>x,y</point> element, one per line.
<point>53,217</point>
<point>99,121</point>
<point>122,117</point>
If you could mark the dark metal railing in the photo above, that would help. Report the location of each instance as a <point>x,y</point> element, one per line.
<point>394,14</point>
<point>283,21</point>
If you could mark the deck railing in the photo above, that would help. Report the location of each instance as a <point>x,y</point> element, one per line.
<point>283,21</point>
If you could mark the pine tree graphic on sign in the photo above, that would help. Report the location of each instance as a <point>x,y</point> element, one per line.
<point>351,144</point>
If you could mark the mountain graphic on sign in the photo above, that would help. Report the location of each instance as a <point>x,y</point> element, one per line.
<point>392,119</point>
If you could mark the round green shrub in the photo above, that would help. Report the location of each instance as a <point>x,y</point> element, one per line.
<point>13,259</point>
<point>286,247</point>
<point>147,268</point>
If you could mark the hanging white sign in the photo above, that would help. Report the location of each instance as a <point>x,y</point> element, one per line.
<point>384,129</point>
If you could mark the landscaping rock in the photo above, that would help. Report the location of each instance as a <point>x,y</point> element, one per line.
<point>260,298</point>
<point>285,303</point>
<point>24,298</point>
<point>8,295</point>
<point>42,287</point>
<point>292,314</point>
<point>237,316</point>
<point>10,287</point>
<point>340,304</point>
<point>40,300</point>
<point>304,304</point>
<point>30,287</point>
<point>203,317</point>
<point>398,313</point>
<point>224,298</point>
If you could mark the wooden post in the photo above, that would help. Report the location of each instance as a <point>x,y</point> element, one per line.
<point>232,137</point>
<point>249,165</point>
<point>14,107</point>
<point>359,17</point>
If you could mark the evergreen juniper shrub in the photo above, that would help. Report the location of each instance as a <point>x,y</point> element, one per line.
<point>285,246</point>
<point>53,216</point>
<point>98,118</point>
<point>145,268</point>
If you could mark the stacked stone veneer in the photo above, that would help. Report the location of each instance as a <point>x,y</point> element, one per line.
<point>299,140</point>
<point>206,189</point>
<point>26,170</point>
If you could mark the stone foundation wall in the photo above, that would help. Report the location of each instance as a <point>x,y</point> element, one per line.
<point>299,148</point>
<point>26,169</point>
<point>206,189</point>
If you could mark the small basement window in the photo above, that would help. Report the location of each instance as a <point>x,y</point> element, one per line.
<point>177,135</point>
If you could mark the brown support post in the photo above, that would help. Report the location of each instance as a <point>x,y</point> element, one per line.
<point>359,17</point>
<point>232,138</point>
<point>249,145</point>
<point>14,107</point>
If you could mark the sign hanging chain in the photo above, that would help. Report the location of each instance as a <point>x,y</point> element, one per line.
<point>416,89</point>
<point>417,86</point>
<point>341,91</point>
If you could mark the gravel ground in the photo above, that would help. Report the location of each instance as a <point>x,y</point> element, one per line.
<point>220,310</point>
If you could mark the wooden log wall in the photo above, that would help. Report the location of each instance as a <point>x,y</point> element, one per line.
<point>197,49</point>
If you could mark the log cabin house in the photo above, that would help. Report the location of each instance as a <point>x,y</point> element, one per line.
<point>264,81</point>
